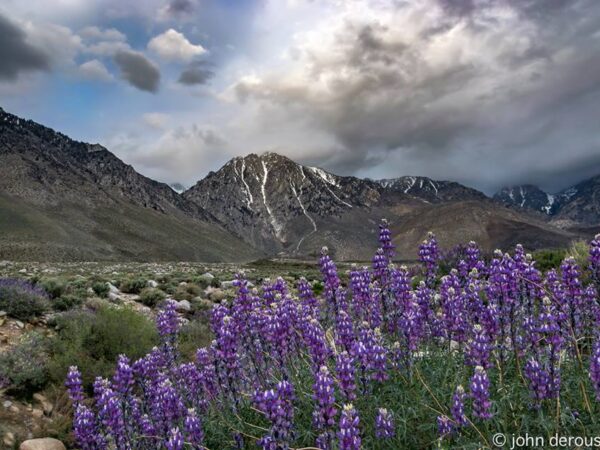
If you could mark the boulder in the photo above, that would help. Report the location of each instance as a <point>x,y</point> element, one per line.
<point>113,297</point>
<point>113,288</point>
<point>152,284</point>
<point>207,276</point>
<point>183,306</point>
<point>216,295</point>
<point>227,284</point>
<point>9,439</point>
<point>42,444</point>
<point>44,403</point>
<point>2,313</point>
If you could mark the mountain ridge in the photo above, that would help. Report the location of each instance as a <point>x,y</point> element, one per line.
<point>253,205</point>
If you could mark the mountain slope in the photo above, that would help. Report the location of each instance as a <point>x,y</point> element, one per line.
<point>283,207</point>
<point>576,206</point>
<point>94,206</point>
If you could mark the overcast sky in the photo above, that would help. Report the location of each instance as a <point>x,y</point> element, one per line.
<point>487,93</point>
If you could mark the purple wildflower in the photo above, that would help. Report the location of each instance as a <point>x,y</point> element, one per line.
<point>349,434</point>
<point>480,393</point>
<point>384,424</point>
<point>458,407</point>
<point>444,426</point>
<point>175,441</point>
<point>74,386</point>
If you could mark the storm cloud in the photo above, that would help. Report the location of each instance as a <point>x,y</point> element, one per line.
<point>16,53</point>
<point>138,70</point>
<point>478,91</point>
<point>196,73</point>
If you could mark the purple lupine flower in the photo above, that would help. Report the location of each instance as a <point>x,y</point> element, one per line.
<point>550,331</point>
<point>123,377</point>
<point>380,267</point>
<point>111,415</point>
<point>307,296</point>
<point>207,372</point>
<point>167,320</point>
<point>379,358</point>
<point>444,426</point>
<point>175,441</point>
<point>345,371</point>
<point>344,331</point>
<point>573,295</point>
<point>359,286</point>
<point>384,424</point>
<point>330,276</point>
<point>480,393</point>
<point>277,405</point>
<point>429,255</point>
<point>385,239</point>
<point>539,381</point>
<point>226,353</point>
<point>595,368</point>
<point>314,338</point>
<point>74,385</point>
<point>193,430</point>
<point>479,349</point>
<point>86,430</point>
<point>458,407</point>
<point>349,434</point>
<point>323,395</point>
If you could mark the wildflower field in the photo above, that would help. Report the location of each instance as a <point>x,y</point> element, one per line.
<point>395,358</point>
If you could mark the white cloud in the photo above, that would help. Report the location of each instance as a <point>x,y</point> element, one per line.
<point>155,120</point>
<point>172,45</point>
<point>184,153</point>
<point>95,70</point>
<point>106,34</point>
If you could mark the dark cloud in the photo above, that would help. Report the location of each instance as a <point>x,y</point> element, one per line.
<point>196,73</point>
<point>16,54</point>
<point>487,92</point>
<point>138,70</point>
<point>176,7</point>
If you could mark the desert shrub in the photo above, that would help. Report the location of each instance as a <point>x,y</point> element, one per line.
<point>66,302</point>
<point>193,335</point>
<point>549,259</point>
<point>21,299</point>
<point>152,296</point>
<point>24,369</point>
<point>101,288</point>
<point>579,250</point>
<point>93,341</point>
<point>55,288</point>
<point>187,292</point>
<point>133,285</point>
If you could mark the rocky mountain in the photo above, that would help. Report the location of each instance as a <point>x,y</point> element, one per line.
<point>283,207</point>
<point>529,197</point>
<point>430,190</point>
<point>576,206</point>
<point>63,199</point>
<point>66,200</point>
